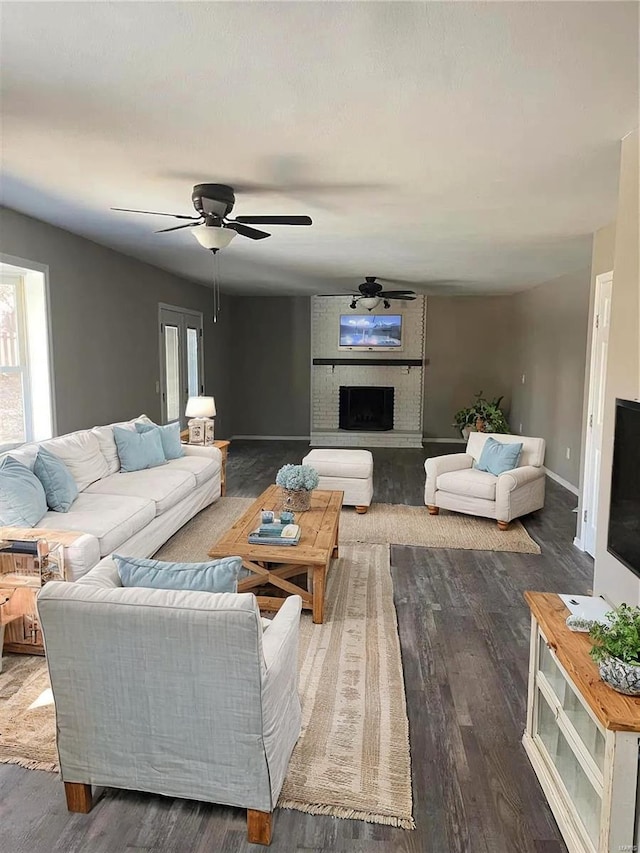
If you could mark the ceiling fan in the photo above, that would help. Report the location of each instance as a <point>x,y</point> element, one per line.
<point>212,227</point>
<point>370,294</point>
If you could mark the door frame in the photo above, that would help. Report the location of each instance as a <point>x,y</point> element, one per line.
<point>589,472</point>
<point>199,319</point>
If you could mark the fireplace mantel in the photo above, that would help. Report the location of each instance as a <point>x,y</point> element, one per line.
<point>372,362</point>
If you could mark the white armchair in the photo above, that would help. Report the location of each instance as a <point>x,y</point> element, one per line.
<point>453,483</point>
<point>173,692</point>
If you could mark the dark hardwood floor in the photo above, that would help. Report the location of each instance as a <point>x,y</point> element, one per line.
<point>464,633</point>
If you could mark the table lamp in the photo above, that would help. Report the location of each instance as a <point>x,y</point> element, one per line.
<point>201,410</point>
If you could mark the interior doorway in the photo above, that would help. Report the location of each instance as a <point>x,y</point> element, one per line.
<point>181,360</point>
<point>595,412</point>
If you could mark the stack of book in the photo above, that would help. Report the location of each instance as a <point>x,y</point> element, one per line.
<point>275,534</point>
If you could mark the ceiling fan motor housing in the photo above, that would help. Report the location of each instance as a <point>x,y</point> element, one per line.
<point>213,200</point>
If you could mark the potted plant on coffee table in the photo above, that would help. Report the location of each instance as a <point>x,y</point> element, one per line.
<point>616,649</point>
<point>297,483</point>
<point>482,416</point>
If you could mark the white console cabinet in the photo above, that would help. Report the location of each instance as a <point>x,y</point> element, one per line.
<point>582,737</point>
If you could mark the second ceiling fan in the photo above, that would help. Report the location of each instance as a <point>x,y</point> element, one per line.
<point>371,293</point>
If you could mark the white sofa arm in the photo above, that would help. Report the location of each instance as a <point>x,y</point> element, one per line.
<point>284,627</point>
<point>197,450</point>
<point>519,492</point>
<point>437,465</point>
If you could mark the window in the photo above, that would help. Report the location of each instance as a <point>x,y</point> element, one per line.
<point>180,360</point>
<point>25,383</point>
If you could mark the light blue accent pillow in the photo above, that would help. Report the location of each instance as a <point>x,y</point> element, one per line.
<point>497,457</point>
<point>213,576</point>
<point>59,486</point>
<point>138,450</point>
<point>169,436</point>
<point>22,497</point>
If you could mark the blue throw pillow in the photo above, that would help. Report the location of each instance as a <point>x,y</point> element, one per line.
<point>22,498</point>
<point>59,486</point>
<point>214,576</point>
<point>169,436</point>
<point>138,450</point>
<point>497,457</point>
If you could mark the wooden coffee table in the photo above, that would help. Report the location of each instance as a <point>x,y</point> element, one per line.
<point>274,564</point>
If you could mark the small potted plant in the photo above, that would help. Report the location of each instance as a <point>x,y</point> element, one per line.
<point>297,483</point>
<point>482,416</point>
<point>616,649</point>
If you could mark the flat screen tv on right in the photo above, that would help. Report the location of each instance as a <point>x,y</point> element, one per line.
<point>624,516</point>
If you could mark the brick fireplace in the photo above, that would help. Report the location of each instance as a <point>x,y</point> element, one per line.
<point>398,372</point>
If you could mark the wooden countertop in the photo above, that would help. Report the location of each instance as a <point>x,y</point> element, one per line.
<point>614,710</point>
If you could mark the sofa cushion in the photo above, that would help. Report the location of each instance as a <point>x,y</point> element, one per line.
<point>138,451</point>
<point>107,442</point>
<point>22,496</point>
<point>212,576</point>
<point>203,468</point>
<point>112,519</point>
<point>81,453</point>
<point>469,482</point>
<point>498,457</point>
<point>169,436</point>
<point>163,485</point>
<point>59,486</point>
<point>337,462</point>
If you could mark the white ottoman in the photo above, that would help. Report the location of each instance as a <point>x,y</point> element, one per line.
<point>349,471</point>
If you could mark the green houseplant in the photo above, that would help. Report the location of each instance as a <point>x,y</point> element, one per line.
<point>482,416</point>
<point>616,649</point>
<point>297,483</point>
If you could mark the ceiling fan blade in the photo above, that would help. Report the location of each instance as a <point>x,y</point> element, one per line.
<point>274,220</point>
<point>155,213</point>
<point>252,233</point>
<point>396,294</point>
<point>176,227</point>
<point>407,296</point>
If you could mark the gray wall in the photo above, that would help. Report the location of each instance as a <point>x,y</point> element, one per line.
<point>469,344</point>
<point>270,365</point>
<point>550,344</point>
<point>104,321</point>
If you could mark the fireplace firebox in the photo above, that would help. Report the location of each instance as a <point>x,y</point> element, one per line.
<point>366,408</point>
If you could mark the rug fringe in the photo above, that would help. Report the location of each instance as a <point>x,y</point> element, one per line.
<point>31,764</point>
<point>348,814</point>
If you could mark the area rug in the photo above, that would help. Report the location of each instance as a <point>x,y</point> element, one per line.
<point>352,759</point>
<point>384,524</point>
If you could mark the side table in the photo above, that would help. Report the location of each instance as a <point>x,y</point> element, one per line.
<point>223,447</point>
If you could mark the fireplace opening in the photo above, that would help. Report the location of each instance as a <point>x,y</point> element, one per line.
<point>366,408</point>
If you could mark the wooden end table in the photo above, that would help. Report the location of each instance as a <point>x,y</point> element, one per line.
<point>223,447</point>
<point>275,564</point>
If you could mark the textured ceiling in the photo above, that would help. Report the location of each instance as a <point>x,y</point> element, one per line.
<point>483,137</point>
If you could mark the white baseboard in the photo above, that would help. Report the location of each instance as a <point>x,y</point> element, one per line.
<point>426,440</point>
<point>573,489</point>
<point>578,543</point>
<point>271,437</point>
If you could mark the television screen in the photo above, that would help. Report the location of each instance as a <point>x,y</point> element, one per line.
<point>624,515</point>
<point>371,331</point>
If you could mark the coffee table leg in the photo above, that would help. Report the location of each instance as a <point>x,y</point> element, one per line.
<point>318,594</point>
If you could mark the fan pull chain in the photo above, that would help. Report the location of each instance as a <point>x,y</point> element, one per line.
<point>214,288</point>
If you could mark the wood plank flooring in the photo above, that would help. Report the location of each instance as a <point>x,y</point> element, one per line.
<point>464,635</point>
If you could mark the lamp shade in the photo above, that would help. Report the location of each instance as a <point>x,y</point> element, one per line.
<point>369,302</point>
<point>200,407</point>
<point>212,236</point>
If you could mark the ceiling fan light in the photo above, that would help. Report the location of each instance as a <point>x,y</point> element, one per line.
<point>212,236</point>
<point>369,302</point>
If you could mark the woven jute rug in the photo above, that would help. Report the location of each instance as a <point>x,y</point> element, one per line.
<point>383,524</point>
<point>352,759</point>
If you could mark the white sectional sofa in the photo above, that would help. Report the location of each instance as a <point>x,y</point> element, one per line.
<point>132,513</point>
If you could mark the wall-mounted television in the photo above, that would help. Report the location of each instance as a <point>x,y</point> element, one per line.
<point>624,515</point>
<point>371,332</point>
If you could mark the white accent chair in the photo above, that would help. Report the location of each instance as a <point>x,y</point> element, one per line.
<point>453,483</point>
<point>172,692</point>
